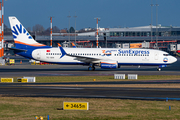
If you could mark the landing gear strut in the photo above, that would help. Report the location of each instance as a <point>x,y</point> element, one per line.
<point>91,67</point>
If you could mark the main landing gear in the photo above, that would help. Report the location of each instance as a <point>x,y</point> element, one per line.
<point>158,69</point>
<point>91,67</point>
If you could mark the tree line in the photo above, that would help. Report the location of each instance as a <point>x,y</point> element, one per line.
<point>40,30</point>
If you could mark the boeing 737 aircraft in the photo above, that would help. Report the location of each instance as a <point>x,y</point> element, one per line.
<point>109,58</point>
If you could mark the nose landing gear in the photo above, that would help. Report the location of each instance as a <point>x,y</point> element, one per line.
<point>158,69</point>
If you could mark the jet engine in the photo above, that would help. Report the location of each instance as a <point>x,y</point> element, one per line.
<point>109,64</point>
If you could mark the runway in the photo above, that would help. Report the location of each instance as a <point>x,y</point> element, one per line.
<point>25,69</point>
<point>54,90</point>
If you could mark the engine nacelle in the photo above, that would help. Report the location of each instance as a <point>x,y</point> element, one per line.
<point>109,64</point>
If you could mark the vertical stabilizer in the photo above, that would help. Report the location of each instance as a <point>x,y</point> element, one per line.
<point>22,38</point>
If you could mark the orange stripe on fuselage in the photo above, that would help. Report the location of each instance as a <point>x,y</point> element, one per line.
<point>36,44</point>
<point>108,63</point>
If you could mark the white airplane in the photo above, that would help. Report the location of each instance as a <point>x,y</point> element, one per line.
<point>108,58</point>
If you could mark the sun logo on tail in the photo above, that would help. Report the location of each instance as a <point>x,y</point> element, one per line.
<point>20,30</point>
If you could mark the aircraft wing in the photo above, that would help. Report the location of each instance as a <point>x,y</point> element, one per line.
<point>79,58</point>
<point>84,59</point>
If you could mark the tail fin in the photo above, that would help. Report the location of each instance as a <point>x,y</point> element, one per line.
<point>22,38</point>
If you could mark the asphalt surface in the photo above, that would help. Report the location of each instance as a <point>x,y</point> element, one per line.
<point>34,90</point>
<point>53,90</point>
<point>26,69</point>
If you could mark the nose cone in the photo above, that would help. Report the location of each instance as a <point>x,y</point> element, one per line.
<point>173,59</point>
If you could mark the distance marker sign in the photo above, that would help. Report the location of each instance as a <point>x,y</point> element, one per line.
<point>75,105</point>
<point>6,79</point>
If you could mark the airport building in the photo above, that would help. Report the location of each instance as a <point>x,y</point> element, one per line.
<point>167,37</point>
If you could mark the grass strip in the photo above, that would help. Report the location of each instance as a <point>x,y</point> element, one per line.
<point>99,78</point>
<point>26,108</point>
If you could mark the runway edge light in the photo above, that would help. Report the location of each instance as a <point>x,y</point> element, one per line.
<point>75,105</point>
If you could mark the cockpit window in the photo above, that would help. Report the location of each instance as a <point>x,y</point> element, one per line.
<point>165,54</point>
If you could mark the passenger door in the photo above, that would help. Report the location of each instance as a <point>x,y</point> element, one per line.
<point>156,55</point>
<point>38,54</point>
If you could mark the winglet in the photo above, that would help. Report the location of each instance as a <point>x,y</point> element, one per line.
<point>59,44</point>
<point>73,45</point>
<point>62,50</point>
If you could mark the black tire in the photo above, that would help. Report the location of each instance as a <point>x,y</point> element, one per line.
<point>158,69</point>
<point>91,68</point>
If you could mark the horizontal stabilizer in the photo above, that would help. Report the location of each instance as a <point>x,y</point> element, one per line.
<point>18,50</point>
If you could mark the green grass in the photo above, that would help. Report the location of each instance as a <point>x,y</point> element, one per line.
<point>26,108</point>
<point>98,78</point>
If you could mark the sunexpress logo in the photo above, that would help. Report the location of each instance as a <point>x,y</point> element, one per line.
<point>19,30</point>
<point>106,53</point>
<point>165,60</point>
<point>120,51</point>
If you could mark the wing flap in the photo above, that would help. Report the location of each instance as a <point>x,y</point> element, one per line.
<point>84,59</point>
